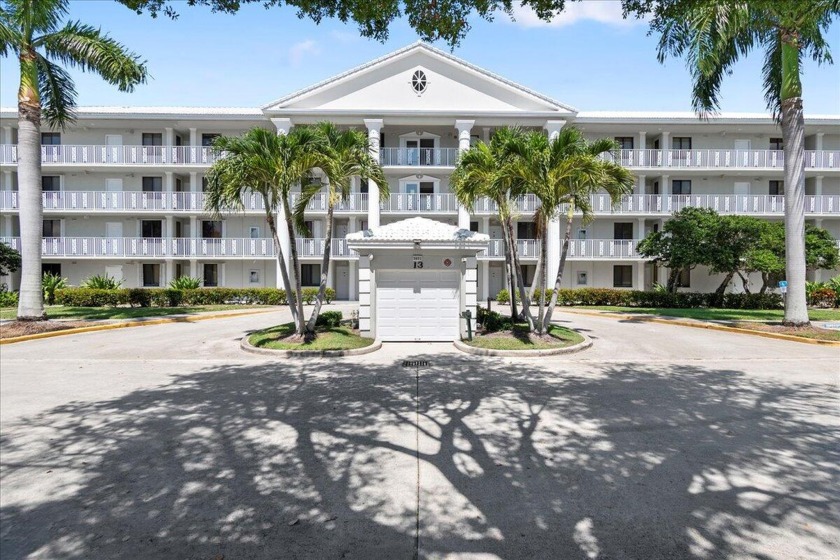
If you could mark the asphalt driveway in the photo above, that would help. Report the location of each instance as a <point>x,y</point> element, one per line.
<point>661,442</point>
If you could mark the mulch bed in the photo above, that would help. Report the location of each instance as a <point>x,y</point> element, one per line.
<point>22,328</point>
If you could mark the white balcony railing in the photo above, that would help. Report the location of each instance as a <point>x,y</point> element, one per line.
<point>422,203</point>
<point>438,157</point>
<point>117,155</point>
<point>526,204</point>
<point>314,247</point>
<point>143,247</point>
<point>356,202</point>
<point>724,159</point>
<point>579,249</point>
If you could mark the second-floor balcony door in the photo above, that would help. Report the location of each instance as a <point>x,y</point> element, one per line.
<point>114,186</point>
<point>114,149</point>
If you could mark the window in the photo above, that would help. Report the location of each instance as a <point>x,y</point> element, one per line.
<point>418,82</point>
<point>681,143</point>
<point>52,228</point>
<point>582,278</point>
<point>777,144</point>
<point>624,142</point>
<point>51,268</point>
<point>152,139</point>
<point>151,228</point>
<point>152,184</point>
<point>623,230</point>
<point>474,226</point>
<point>310,274</point>
<point>655,187</point>
<point>527,271</point>
<point>254,232</point>
<point>684,279</point>
<point>623,276</point>
<point>151,275</point>
<point>427,187</point>
<point>582,233</point>
<point>207,139</point>
<point>211,275</point>
<point>50,138</point>
<point>526,230</point>
<point>363,187</point>
<point>254,276</point>
<point>309,228</point>
<point>777,188</point>
<point>680,186</point>
<point>211,229</point>
<point>50,183</point>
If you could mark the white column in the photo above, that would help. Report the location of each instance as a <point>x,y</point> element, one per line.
<point>818,145</point>
<point>664,187</point>
<point>168,137</point>
<point>464,127</point>
<point>366,323</point>
<point>193,268</point>
<point>169,231</point>
<point>818,186</point>
<point>194,137</point>
<point>640,276</point>
<point>470,295</point>
<point>7,135</point>
<point>374,127</point>
<point>642,140</point>
<point>640,184</point>
<point>353,292</point>
<point>485,280</point>
<point>168,272</point>
<point>486,137</point>
<point>552,261</point>
<point>283,126</point>
<point>665,146</point>
<point>553,128</point>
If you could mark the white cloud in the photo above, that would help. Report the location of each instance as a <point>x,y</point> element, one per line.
<point>345,36</point>
<point>300,50</point>
<point>603,11</point>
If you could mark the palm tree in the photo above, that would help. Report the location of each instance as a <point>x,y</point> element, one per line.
<point>568,173</point>
<point>269,165</point>
<point>488,171</point>
<point>346,154</point>
<point>713,36</point>
<point>31,30</point>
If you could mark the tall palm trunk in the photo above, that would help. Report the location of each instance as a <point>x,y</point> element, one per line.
<point>511,273</point>
<point>541,278</point>
<point>31,303</point>
<point>325,268</point>
<point>539,270</point>
<point>299,324</point>
<point>570,215</point>
<point>793,134</point>
<point>281,260</point>
<point>523,296</point>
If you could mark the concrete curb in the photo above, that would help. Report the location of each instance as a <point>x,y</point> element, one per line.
<point>245,345</point>
<point>580,346</point>
<point>702,325</point>
<point>130,323</point>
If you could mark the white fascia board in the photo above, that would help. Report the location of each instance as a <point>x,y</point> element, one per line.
<point>359,245</point>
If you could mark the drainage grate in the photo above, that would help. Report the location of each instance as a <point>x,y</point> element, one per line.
<point>415,363</point>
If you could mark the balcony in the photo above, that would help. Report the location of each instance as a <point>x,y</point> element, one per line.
<point>405,203</point>
<point>418,157</point>
<point>724,159</point>
<point>78,155</point>
<point>356,203</point>
<point>314,247</point>
<point>579,249</point>
<point>152,248</point>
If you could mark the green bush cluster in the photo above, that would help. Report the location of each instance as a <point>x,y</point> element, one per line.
<point>170,297</point>
<point>823,294</point>
<point>492,321</point>
<point>7,298</point>
<point>102,282</point>
<point>329,319</point>
<point>637,298</point>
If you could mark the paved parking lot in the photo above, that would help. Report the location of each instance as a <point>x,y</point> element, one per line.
<point>660,442</point>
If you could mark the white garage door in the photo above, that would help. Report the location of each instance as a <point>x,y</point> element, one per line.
<point>417,306</point>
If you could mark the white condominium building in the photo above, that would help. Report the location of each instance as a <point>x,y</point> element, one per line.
<point>123,187</point>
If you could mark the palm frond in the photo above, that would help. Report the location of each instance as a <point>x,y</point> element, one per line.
<point>58,93</point>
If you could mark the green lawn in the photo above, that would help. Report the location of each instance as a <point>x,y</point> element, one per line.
<point>721,314</point>
<point>519,340</point>
<point>93,313</point>
<point>336,338</point>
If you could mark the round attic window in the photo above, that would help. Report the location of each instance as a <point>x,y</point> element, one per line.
<point>418,81</point>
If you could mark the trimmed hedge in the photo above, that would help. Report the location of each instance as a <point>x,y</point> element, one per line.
<point>168,297</point>
<point>635,298</point>
<point>329,319</point>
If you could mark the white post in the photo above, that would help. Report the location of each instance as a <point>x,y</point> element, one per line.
<point>665,147</point>
<point>552,261</point>
<point>193,268</point>
<point>485,279</point>
<point>642,140</point>
<point>168,137</point>
<point>470,296</point>
<point>819,141</point>
<point>640,184</point>
<point>374,127</point>
<point>664,187</point>
<point>818,187</point>
<point>193,137</point>
<point>366,323</point>
<point>283,126</point>
<point>486,137</point>
<point>464,127</point>
<point>353,292</point>
<point>640,276</point>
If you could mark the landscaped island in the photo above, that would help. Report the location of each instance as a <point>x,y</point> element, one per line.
<point>332,333</point>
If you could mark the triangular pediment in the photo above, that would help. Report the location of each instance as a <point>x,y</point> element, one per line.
<point>451,85</point>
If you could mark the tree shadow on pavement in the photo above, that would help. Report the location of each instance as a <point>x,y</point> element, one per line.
<point>320,460</point>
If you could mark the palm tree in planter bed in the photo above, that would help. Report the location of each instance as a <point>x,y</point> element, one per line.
<point>489,171</point>
<point>564,173</point>
<point>346,154</point>
<point>270,165</point>
<point>31,29</point>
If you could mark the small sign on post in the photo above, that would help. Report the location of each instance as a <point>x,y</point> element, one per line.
<point>783,286</point>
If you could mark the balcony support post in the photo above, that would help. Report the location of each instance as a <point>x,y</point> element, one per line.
<point>818,187</point>
<point>640,184</point>
<point>193,137</point>
<point>485,280</point>
<point>168,137</point>
<point>642,140</point>
<point>193,268</point>
<point>818,145</point>
<point>464,127</point>
<point>640,276</point>
<point>7,135</point>
<point>374,128</point>
<point>665,146</point>
<point>353,291</point>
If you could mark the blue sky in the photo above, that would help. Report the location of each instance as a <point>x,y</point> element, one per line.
<point>590,58</point>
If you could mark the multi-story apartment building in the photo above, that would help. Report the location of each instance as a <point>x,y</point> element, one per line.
<point>123,187</point>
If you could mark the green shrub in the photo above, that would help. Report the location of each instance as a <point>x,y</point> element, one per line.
<point>88,297</point>
<point>492,321</point>
<point>538,293</point>
<point>185,283</point>
<point>822,297</point>
<point>503,297</point>
<point>329,295</point>
<point>7,298</point>
<point>102,282</point>
<point>139,297</point>
<point>50,283</point>
<point>308,295</point>
<point>329,319</point>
